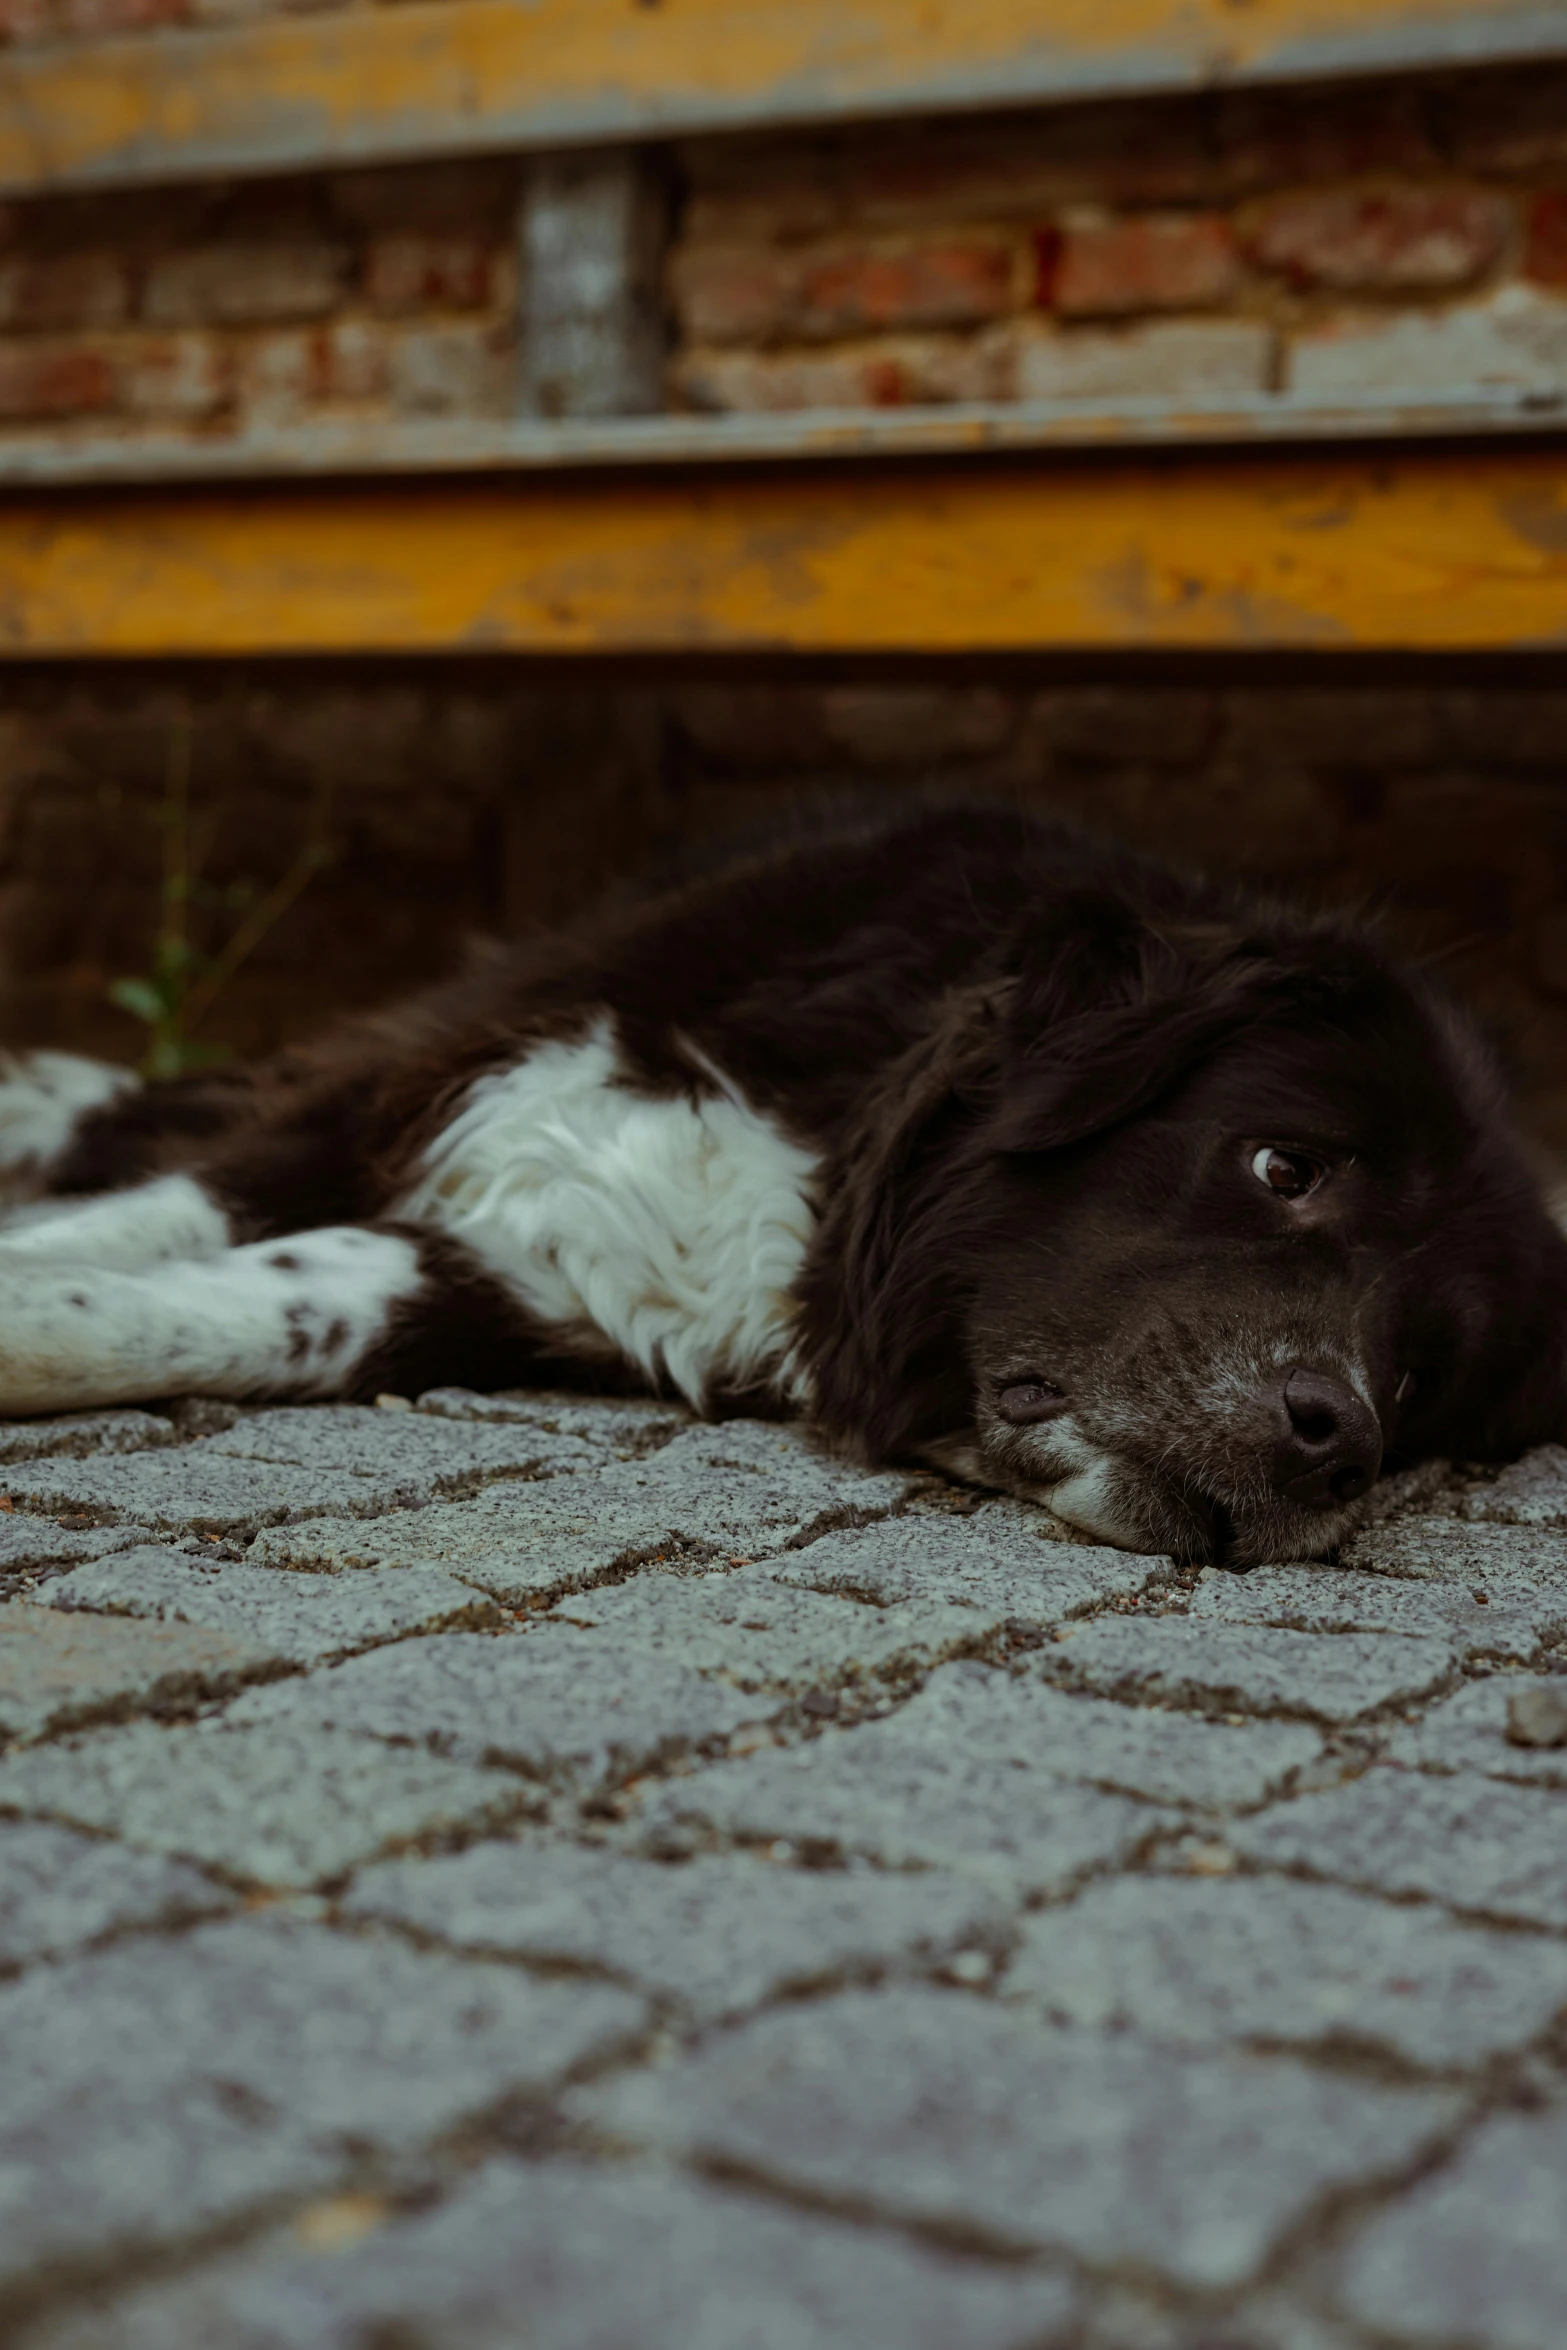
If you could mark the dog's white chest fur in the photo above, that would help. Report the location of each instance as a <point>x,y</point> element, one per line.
<point>667,1231</point>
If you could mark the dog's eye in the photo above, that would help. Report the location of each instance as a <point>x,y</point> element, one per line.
<point>1288,1173</point>
<point>1030,1399</point>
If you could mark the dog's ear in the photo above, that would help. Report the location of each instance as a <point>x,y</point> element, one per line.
<point>1109,1011</point>
<point>882,1290</point>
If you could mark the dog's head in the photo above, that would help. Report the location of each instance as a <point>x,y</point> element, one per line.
<point>1190,1229</point>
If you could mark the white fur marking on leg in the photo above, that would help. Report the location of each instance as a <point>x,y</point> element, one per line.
<point>280,1317</point>
<point>669,1230</point>
<point>170,1217</point>
<point>42,1098</point>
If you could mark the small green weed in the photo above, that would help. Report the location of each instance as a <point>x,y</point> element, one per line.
<point>184,978</point>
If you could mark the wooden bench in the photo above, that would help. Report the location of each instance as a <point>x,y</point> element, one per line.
<point>453,77</point>
<point>1425,525</point>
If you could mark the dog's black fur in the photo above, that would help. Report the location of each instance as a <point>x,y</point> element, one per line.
<point>1038,1073</point>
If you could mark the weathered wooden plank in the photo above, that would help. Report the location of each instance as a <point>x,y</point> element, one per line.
<point>1433,551</point>
<point>363,447</point>
<point>454,76</point>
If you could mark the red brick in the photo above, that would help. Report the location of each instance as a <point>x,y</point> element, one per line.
<point>730,293</point>
<point>404,273</point>
<point>224,284</point>
<point>1545,252</point>
<point>288,373</point>
<point>1152,261</point>
<point>890,372</point>
<point>1378,240</point>
<point>355,360</point>
<point>452,370</point>
<point>1509,123</point>
<point>277,376</point>
<point>753,294</point>
<point>919,176</point>
<point>42,381</point>
<point>957,282</point>
<point>911,726</point>
<point>1017,167</point>
<point>475,197</point>
<point>45,293</point>
<point>761,191</point>
<point>1154,358</point>
<point>179,378</point>
<point>28,20</point>
<point>1276,138</point>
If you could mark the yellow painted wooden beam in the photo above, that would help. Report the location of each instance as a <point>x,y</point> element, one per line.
<point>1430,551</point>
<point>363,84</point>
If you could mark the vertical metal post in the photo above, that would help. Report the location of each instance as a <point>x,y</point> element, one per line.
<point>591,234</point>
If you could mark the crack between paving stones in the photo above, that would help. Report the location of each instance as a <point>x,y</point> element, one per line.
<point>1401,1897</point>
<point>172,1922</point>
<point>84,2278</point>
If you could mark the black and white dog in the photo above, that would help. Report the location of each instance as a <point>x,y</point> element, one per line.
<point>975,1140</point>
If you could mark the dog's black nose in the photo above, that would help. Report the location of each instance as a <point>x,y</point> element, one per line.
<point>1328,1447</point>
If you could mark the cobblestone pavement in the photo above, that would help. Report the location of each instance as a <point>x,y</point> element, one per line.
<point>542,1871</point>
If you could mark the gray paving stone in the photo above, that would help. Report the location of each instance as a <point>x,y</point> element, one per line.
<point>58,1671</point>
<point>195,1488</point>
<point>1162,1756</point>
<point>1127,2099</point>
<point>305,1618</point>
<point>693,2267</point>
<point>1515,1565</point>
<point>524,1544</point>
<point>763,1476</point>
<point>414,1452</point>
<point>876,1796</point>
<point>1476,2253</point>
<point>1208,1961</point>
<point>1003,1561</point>
<point>944,2109</point>
<point>288,1805</point>
<point>1410,1493</point>
<point>745,1626</point>
<point>1243,1668</point>
<point>744,1490</point>
<point>29,1545</point>
<point>78,1434</point>
<point>719,1936</point>
<point>1328,1599</point>
<point>1472,1843</point>
<point>156,2087</point>
<point>58,1890</point>
<point>561,1704</point>
<point>628,1426</point>
<point>1468,1732</point>
<point>1531,1492</point>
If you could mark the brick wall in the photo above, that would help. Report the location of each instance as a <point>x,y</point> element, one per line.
<point>218,309</point>
<point>1346,244</point>
<point>466,802</point>
<point>1337,244</point>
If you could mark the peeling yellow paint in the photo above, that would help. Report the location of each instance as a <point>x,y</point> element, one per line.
<point>445,75</point>
<point>1427,551</point>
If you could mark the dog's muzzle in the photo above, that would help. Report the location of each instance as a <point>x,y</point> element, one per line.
<point>1327,1445</point>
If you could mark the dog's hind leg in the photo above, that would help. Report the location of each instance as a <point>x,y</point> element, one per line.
<point>170,1217</point>
<point>345,1310</point>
